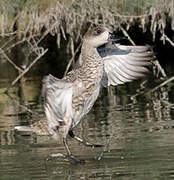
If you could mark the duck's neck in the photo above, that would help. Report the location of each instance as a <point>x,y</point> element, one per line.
<point>90,55</point>
<point>92,65</point>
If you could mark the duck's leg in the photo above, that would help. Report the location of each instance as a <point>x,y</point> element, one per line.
<point>71,134</point>
<point>72,159</point>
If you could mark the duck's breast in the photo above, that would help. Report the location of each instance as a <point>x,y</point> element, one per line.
<point>85,107</point>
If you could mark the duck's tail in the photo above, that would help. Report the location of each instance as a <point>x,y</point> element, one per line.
<point>23,128</point>
<point>40,128</point>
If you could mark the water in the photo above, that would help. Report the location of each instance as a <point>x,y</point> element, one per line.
<point>137,133</point>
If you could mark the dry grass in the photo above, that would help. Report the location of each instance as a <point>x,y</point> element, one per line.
<point>30,21</point>
<point>73,16</point>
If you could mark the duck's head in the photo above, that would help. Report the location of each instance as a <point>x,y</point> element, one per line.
<point>98,36</point>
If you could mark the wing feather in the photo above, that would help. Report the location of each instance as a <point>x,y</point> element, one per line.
<point>58,100</point>
<point>124,63</point>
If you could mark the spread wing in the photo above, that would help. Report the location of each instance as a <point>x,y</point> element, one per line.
<point>124,63</point>
<point>57,95</point>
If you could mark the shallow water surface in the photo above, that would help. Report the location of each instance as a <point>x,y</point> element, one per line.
<point>137,134</point>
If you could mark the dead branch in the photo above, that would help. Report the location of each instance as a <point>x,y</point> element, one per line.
<point>154,89</point>
<point>10,33</point>
<point>165,37</point>
<point>160,69</point>
<point>47,32</point>
<point>162,84</point>
<point>18,104</point>
<point>34,46</point>
<point>10,61</point>
<point>15,44</point>
<point>127,35</point>
<point>26,70</point>
<point>72,58</point>
<point>8,42</point>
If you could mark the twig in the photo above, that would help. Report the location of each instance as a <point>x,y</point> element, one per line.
<point>8,42</point>
<point>72,58</point>
<point>10,33</point>
<point>165,37</point>
<point>47,32</point>
<point>63,32</point>
<point>106,148</point>
<point>15,44</point>
<point>162,84</point>
<point>154,89</point>
<point>127,35</point>
<point>23,106</point>
<point>34,46</point>
<point>157,64</point>
<point>10,61</point>
<point>26,70</point>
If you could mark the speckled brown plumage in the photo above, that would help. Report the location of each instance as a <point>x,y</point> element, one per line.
<point>68,100</point>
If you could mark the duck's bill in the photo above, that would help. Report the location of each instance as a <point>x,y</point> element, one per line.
<point>115,38</point>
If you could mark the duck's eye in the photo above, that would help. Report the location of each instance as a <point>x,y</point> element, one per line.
<point>97,31</point>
